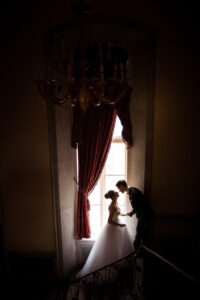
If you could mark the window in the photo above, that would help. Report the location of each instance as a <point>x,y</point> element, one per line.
<point>114,170</point>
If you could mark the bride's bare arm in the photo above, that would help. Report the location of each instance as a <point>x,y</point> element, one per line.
<point>123,215</point>
<point>110,218</point>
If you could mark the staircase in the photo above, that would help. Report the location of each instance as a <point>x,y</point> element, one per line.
<point>126,279</point>
<point>119,280</point>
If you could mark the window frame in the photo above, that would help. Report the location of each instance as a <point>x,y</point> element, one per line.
<point>102,183</point>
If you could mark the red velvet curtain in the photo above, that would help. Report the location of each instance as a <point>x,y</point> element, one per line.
<point>97,129</point>
<point>122,108</point>
<point>92,135</point>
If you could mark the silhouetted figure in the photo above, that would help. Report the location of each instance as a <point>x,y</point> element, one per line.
<point>141,208</point>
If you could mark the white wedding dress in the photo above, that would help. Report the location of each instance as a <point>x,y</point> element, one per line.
<point>113,243</point>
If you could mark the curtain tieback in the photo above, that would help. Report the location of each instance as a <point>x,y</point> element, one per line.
<point>83,192</point>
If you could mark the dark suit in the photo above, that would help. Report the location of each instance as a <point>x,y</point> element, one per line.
<point>143,213</point>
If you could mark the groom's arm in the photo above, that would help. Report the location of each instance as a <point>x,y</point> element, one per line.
<point>131,196</point>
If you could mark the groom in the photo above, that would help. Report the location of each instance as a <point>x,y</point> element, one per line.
<point>141,208</point>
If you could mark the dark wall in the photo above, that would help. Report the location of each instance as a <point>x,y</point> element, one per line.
<point>25,164</point>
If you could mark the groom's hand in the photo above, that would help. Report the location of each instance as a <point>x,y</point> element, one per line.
<point>130,214</point>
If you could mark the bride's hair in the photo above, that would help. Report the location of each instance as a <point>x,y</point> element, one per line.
<point>110,194</point>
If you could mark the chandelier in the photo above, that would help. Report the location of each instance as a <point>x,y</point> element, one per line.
<point>95,73</point>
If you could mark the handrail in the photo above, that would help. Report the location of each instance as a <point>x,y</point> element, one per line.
<point>104,267</point>
<point>171,264</point>
<point>151,252</point>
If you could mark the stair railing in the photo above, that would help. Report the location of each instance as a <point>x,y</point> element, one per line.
<point>116,280</point>
<point>171,264</point>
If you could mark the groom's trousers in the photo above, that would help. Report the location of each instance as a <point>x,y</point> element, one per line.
<point>139,237</point>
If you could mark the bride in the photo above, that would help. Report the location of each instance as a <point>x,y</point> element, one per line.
<point>113,243</point>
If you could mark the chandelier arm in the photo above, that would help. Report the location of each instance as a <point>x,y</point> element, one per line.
<point>51,96</point>
<point>112,101</point>
<point>42,89</point>
<point>98,91</point>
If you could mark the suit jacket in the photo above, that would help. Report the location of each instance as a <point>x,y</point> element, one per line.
<point>139,203</point>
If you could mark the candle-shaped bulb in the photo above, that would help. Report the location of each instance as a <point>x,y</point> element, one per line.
<point>115,71</point>
<point>68,72</point>
<point>121,71</point>
<point>102,72</point>
<point>127,69</point>
<point>109,48</point>
<point>100,51</point>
